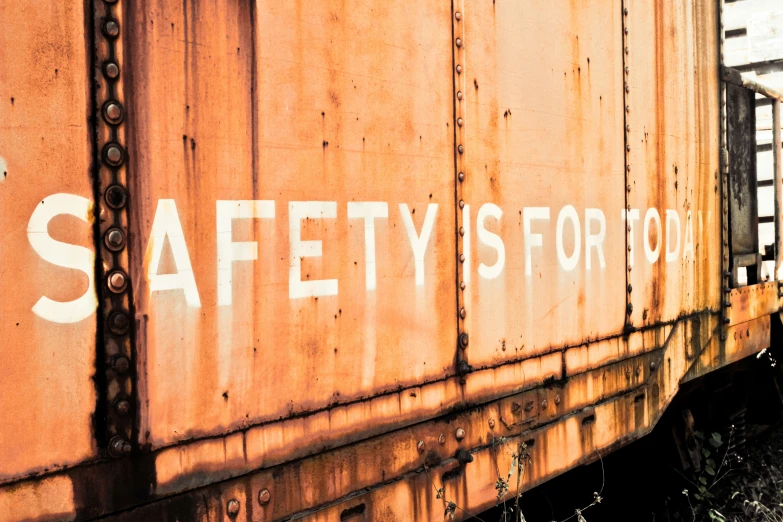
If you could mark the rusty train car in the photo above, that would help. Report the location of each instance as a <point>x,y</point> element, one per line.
<point>265,260</point>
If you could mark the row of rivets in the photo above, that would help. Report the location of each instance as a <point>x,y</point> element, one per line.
<point>113,158</point>
<point>627,139</point>
<point>724,168</point>
<point>459,136</point>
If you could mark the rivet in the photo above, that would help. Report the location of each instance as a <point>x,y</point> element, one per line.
<point>264,497</point>
<point>462,258</point>
<point>462,285</point>
<point>627,88</point>
<point>461,149</point>
<point>629,248</point>
<point>653,366</point>
<point>492,424</point>
<point>625,30</point>
<point>461,176</point>
<point>460,434</point>
<point>459,95</point>
<point>628,148</point>
<point>459,42</point>
<point>462,313</point>
<point>628,168</point>
<point>421,446</point>
<point>458,15</point>
<point>629,309</point>
<point>627,70</point>
<point>627,108</point>
<point>113,154</point>
<point>630,288</point>
<point>441,439</point>
<point>118,323</point>
<point>628,188</point>
<point>544,404</point>
<point>629,268</point>
<point>459,69</point>
<point>461,204</point>
<point>627,128</point>
<point>557,400</point>
<point>121,364</point>
<point>116,197</point>
<point>625,11</point>
<point>112,112</point>
<point>111,29</point>
<point>232,507</point>
<point>123,407</point>
<point>726,320</point>
<point>638,370</point>
<point>461,231</point>
<point>117,281</point>
<point>114,239</point>
<point>626,50</point>
<point>629,228</point>
<point>463,340</point>
<point>119,446</point>
<point>459,122</point>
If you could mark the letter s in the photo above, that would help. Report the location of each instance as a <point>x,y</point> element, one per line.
<point>63,254</point>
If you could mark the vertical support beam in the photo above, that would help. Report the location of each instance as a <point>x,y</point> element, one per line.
<point>458,20</point>
<point>116,375</point>
<point>628,182</point>
<point>777,176</point>
<point>724,192</point>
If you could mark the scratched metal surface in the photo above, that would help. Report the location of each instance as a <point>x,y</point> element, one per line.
<point>673,157</point>
<point>302,102</point>
<point>543,129</point>
<point>46,390</point>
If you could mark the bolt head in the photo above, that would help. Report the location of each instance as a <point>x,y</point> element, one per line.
<point>461,231</point>
<point>557,400</point>
<point>464,340</point>
<point>462,285</point>
<point>264,497</point>
<point>113,155</point>
<point>111,70</point>
<point>653,366</point>
<point>232,507</point>
<point>492,424</point>
<point>118,323</point>
<point>114,239</point>
<point>459,434</point>
<point>459,42</point>
<point>459,95</point>
<point>459,122</point>
<point>441,439</point>
<point>121,364</point>
<point>544,404</point>
<point>462,313</point>
<point>458,15</point>
<point>112,112</point>
<point>116,197</point>
<point>123,407</point>
<point>420,446</point>
<point>462,258</point>
<point>461,204</point>
<point>461,149</point>
<point>459,69</point>
<point>461,176</point>
<point>119,447</point>
<point>111,29</point>
<point>117,281</point>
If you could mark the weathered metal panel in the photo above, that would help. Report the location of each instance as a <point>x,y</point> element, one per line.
<point>544,181</point>
<point>672,166</point>
<point>309,110</point>
<point>47,296</point>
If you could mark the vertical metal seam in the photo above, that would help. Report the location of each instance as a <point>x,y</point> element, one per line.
<point>627,163</point>
<point>111,202</point>
<point>777,177</point>
<point>724,196</point>
<point>460,167</point>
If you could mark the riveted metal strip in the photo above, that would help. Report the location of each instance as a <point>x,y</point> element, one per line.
<point>116,368</point>
<point>463,207</point>
<point>627,148</point>
<point>724,194</point>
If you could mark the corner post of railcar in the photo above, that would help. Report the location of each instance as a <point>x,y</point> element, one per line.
<point>115,365</point>
<point>627,148</point>
<point>777,176</point>
<point>461,172</point>
<point>724,192</point>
